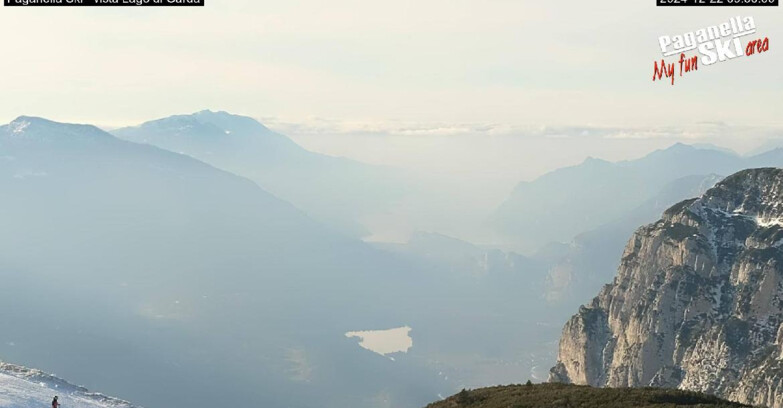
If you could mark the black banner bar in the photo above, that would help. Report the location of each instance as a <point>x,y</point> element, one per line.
<point>103,3</point>
<point>717,3</point>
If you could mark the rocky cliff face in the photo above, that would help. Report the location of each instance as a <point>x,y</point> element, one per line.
<point>697,303</point>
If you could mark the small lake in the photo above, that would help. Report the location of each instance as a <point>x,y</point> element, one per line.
<point>384,342</point>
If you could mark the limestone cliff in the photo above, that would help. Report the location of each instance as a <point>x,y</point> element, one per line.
<point>697,303</point>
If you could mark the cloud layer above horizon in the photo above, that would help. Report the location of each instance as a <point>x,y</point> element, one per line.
<point>499,61</point>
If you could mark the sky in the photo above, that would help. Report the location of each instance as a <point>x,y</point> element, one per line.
<point>507,62</point>
<point>487,92</point>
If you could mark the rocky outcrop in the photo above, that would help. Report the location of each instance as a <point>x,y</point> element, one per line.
<point>697,303</point>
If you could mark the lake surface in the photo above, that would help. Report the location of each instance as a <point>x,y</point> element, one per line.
<point>384,342</point>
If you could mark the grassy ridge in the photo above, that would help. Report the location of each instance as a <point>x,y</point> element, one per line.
<point>574,396</point>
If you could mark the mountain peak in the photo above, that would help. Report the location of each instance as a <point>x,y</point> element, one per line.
<point>752,192</point>
<point>231,122</point>
<point>25,121</point>
<point>41,128</point>
<point>19,125</point>
<point>207,115</point>
<point>677,148</point>
<point>594,161</point>
<point>210,112</point>
<point>42,121</point>
<point>207,134</point>
<point>205,123</point>
<point>765,176</point>
<point>680,146</point>
<point>683,148</point>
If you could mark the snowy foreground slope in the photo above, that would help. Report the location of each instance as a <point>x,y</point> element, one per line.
<point>22,387</point>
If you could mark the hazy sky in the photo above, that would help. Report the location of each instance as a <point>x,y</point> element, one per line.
<point>508,62</point>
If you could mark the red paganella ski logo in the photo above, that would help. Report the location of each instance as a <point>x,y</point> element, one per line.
<point>732,39</point>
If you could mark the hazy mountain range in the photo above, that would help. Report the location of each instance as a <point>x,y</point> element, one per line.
<point>161,277</point>
<point>591,258</point>
<point>334,190</point>
<point>580,217</point>
<point>566,202</point>
<point>153,276</point>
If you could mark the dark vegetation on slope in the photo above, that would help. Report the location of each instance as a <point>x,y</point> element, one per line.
<point>576,396</point>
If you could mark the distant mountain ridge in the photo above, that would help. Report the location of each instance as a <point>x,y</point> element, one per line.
<point>578,269</point>
<point>208,133</point>
<point>334,190</point>
<point>561,204</point>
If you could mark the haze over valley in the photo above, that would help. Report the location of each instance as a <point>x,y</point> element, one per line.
<point>374,204</point>
<point>225,255</point>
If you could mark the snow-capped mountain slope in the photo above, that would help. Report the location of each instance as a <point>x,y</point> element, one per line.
<point>22,387</point>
